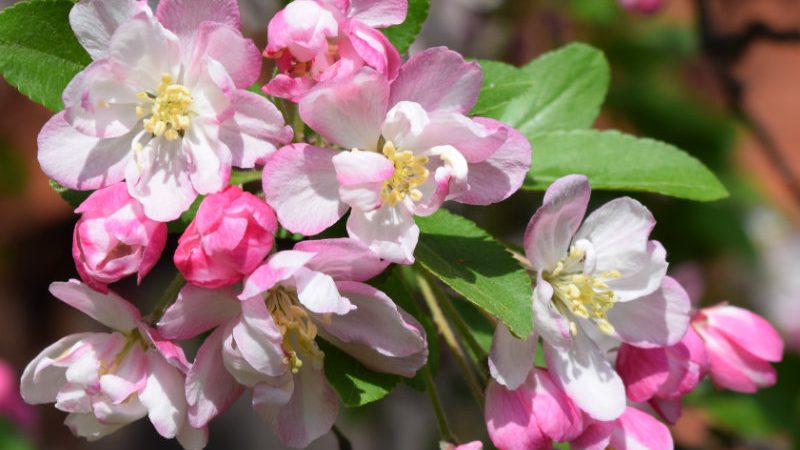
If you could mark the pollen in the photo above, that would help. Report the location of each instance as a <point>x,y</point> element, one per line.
<point>410,172</point>
<point>298,331</point>
<point>582,295</point>
<point>167,111</point>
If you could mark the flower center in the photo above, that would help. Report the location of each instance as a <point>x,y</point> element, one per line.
<point>295,325</point>
<point>131,340</point>
<point>409,173</point>
<point>168,109</point>
<point>582,295</point>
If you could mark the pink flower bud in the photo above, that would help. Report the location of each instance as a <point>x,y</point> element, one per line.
<point>114,239</point>
<point>740,345</point>
<point>230,236</point>
<point>643,6</point>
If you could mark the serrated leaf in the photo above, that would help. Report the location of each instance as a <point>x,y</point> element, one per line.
<point>355,384</point>
<point>616,161</point>
<point>476,266</point>
<point>39,53</point>
<point>501,83</point>
<point>403,35</point>
<point>569,86</point>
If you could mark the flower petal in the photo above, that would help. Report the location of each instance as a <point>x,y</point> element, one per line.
<point>510,420</point>
<point>225,44</point>
<point>197,310</point>
<point>342,259</point>
<point>377,333</point>
<point>637,429</point>
<point>547,321</point>
<point>41,380</point>
<point>95,21</point>
<point>378,13</point>
<point>254,131</point>
<point>109,309</point>
<point>550,230</point>
<point>748,330</point>
<point>87,426</point>
<point>555,414</point>
<point>389,231</point>
<point>510,358</point>
<point>300,184</point>
<point>184,17</point>
<point>361,176</point>
<point>164,396</point>
<point>317,292</point>
<point>279,267</point>
<point>259,340</point>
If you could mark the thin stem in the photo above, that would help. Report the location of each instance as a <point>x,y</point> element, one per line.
<point>463,330</point>
<point>450,338</point>
<point>167,299</point>
<point>444,428</point>
<point>344,443</point>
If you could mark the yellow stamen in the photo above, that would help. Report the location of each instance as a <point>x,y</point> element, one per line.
<point>409,173</point>
<point>295,325</point>
<point>169,109</point>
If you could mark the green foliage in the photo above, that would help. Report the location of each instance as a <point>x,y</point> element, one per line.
<point>501,83</point>
<point>11,438</point>
<point>355,384</point>
<point>73,197</point>
<point>39,53</point>
<point>239,177</point>
<point>568,88</point>
<point>476,266</point>
<point>403,35</point>
<point>616,161</point>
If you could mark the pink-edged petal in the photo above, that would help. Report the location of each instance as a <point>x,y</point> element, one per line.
<point>361,176</point>
<point>303,28</point>
<point>389,231</point>
<point>642,275</point>
<point>377,333</point>
<point>184,17</point>
<point>375,49</point>
<point>240,56</point>
<point>556,415</point>
<point>644,371</point>
<point>144,50</point>
<point>510,420</point>
<point>496,178</point>
<point>510,358</point>
<point>254,131</point>
<point>378,13</point>
<point>109,309</point>
<point>41,380</point>
<point>122,413</point>
<point>474,141</point>
<point>748,330</point>
<point>638,430</point>
<point>128,378</point>
<point>310,412</point>
<point>259,340</point>
<point>159,178</point>
<point>587,377</point>
<point>78,161</point>
<point>163,396</point>
<point>547,321</point>
<point>95,21</point>
<point>210,162</point>
<point>169,350</point>
<point>87,426</point>
<point>342,259</point>
<point>596,436</point>
<point>669,410</point>
<point>300,184</point>
<point>197,310</point>
<point>210,389</point>
<point>440,80</point>
<point>279,267</point>
<point>153,250</point>
<point>655,320</point>
<point>348,111</point>
<point>734,368</point>
<point>317,292</point>
<point>550,230</point>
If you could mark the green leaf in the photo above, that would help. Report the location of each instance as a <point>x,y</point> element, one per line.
<point>501,83</point>
<point>39,53</point>
<point>355,384</point>
<point>239,177</point>
<point>617,161</point>
<point>476,266</point>
<point>569,86</point>
<point>73,197</point>
<point>403,35</point>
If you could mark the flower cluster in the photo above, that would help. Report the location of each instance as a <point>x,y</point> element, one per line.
<point>164,112</point>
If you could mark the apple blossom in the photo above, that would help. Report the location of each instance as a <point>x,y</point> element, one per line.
<point>266,339</point>
<point>532,416</point>
<point>663,375</point>
<point>108,380</point>
<point>740,345</point>
<point>407,147</point>
<point>319,40</point>
<point>596,285</point>
<point>229,237</point>
<point>634,429</point>
<point>114,239</point>
<point>163,106</point>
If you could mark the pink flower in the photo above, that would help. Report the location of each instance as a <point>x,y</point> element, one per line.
<point>598,284</point>
<point>114,239</point>
<point>663,375</point>
<point>474,445</point>
<point>634,429</point>
<point>230,236</point>
<point>531,416</point>
<point>163,106</point>
<point>407,147</point>
<point>11,405</point>
<point>266,339</point>
<point>108,380</point>
<point>741,345</point>
<point>643,6</point>
<point>319,40</point>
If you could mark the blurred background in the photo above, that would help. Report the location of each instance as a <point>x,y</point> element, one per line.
<point>718,78</point>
